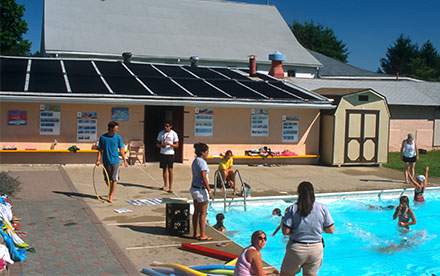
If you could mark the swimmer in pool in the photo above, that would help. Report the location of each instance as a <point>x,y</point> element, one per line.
<point>420,185</point>
<point>404,213</point>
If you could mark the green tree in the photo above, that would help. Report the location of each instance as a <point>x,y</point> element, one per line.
<point>320,39</point>
<point>12,29</point>
<point>410,61</point>
<point>398,57</point>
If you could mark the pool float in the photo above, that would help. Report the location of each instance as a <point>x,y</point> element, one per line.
<point>208,252</point>
<point>208,267</point>
<point>181,268</point>
<point>233,262</point>
<point>218,271</point>
<point>169,271</point>
<point>152,272</point>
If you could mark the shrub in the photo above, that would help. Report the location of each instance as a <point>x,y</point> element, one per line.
<point>9,185</point>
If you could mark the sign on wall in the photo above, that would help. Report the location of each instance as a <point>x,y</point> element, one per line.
<point>87,124</point>
<point>50,119</point>
<point>259,122</point>
<point>290,128</point>
<point>204,122</point>
<point>120,114</point>
<point>17,118</point>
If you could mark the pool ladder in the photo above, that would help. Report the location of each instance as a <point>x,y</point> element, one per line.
<point>244,188</point>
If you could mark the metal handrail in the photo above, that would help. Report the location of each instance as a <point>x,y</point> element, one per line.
<point>218,175</point>
<point>243,188</point>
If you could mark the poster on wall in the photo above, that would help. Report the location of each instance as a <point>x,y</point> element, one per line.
<point>50,119</point>
<point>203,123</point>
<point>259,122</point>
<point>120,114</point>
<point>290,128</point>
<point>17,118</point>
<point>87,124</point>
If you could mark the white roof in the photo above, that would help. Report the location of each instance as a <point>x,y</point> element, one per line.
<point>170,29</point>
<point>396,92</point>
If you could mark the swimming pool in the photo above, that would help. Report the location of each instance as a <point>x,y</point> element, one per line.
<point>367,241</point>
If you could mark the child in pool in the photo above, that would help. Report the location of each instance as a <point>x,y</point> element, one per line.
<point>420,185</point>
<point>404,213</point>
<point>277,212</point>
<point>219,225</point>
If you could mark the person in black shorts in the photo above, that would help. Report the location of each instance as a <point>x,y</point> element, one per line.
<point>167,141</point>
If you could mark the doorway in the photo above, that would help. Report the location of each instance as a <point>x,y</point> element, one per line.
<point>361,136</point>
<point>155,116</point>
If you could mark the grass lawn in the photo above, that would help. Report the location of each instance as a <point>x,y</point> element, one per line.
<point>431,159</point>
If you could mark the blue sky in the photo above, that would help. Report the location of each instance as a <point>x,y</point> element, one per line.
<point>367,27</point>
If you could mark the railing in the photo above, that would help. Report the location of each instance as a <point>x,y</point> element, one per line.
<point>244,188</point>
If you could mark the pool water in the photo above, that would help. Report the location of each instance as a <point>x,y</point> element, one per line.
<point>367,241</point>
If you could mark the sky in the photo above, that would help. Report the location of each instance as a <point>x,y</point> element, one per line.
<point>367,28</point>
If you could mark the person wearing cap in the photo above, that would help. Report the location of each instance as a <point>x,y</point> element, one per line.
<point>420,185</point>
<point>409,155</point>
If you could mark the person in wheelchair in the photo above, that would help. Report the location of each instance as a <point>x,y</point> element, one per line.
<point>226,171</point>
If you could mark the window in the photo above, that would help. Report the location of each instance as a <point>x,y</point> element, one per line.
<point>363,98</point>
<point>291,73</point>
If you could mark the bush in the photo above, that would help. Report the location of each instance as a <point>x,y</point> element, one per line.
<point>9,185</point>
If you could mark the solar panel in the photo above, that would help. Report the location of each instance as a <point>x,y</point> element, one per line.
<point>83,77</point>
<point>46,76</point>
<point>174,71</point>
<point>204,72</point>
<point>293,90</point>
<point>234,89</point>
<point>200,88</point>
<point>12,74</point>
<point>231,74</point>
<point>268,90</point>
<point>119,79</point>
<point>143,70</point>
<point>164,87</point>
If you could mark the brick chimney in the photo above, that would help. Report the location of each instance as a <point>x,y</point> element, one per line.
<point>252,65</point>
<point>277,65</point>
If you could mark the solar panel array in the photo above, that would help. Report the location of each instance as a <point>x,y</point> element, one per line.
<point>62,76</point>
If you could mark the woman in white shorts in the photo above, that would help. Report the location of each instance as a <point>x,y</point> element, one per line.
<point>304,222</point>
<point>200,191</point>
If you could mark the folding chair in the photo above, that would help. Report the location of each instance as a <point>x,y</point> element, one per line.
<point>136,151</point>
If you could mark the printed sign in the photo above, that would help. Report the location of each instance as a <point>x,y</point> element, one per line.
<point>120,114</point>
<point>259,122</point>
<point>17,118</point>
<point>290,128</point>
<point>204,122</point>
<point>50,119</point>
<point>87,124</point>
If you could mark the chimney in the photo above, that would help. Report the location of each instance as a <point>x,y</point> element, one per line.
<point>397,75</point>
<point>194,60</point>
<point>277,65</point>
<point>252,65</point>
<point>127,57</point>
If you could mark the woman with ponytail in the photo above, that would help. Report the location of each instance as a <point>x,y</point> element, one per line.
<point>200,191</point>
<point>304,222</point>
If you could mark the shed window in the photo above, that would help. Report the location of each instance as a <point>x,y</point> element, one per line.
<point>363,98</point>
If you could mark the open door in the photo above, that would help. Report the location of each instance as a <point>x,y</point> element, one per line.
<point>361,136</point>
<point>155,116</point>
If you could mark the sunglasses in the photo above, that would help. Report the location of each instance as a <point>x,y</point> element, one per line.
<point>166,125</point>
<point>262,238</point>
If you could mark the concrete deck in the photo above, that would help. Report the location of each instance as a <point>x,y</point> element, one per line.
<point>104,242</point>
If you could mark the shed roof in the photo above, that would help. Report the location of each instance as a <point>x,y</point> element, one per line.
<point>396,92</point>
<point>93,80</point>
<point>172,29</point>
<point>338,91</point>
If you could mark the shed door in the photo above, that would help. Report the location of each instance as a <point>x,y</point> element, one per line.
<point>361,136</point>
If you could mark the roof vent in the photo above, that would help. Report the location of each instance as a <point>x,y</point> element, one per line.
<point>252,66</point>
<point>127,57</point>
<point>194,60</point>
<point>277,65</point>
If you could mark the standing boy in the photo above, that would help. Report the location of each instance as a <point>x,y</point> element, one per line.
<point>167,141</point>
<point>109,147</point>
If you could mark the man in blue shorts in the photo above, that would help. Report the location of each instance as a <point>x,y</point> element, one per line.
<point>109,147</point>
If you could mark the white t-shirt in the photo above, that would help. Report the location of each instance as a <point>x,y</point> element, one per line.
<point>170,137</point>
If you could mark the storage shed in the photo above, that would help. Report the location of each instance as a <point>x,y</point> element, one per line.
<point>357,131</point>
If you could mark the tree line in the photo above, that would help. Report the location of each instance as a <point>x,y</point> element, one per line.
<point>403,56</point>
